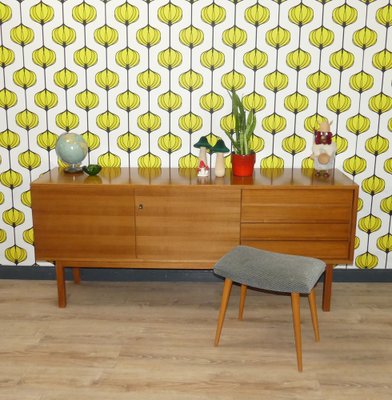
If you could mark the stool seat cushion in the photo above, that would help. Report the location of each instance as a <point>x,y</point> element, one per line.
<point>270,271</point>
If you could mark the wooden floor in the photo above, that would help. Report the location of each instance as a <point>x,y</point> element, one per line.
<point>141,341</point>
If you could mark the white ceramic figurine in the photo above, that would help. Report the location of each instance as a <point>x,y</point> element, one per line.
<point>323,149</point>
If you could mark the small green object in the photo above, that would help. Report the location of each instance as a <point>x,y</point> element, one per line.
<point>92,169</point>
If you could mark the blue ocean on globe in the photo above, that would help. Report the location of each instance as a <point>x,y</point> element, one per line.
<point>71,148</point>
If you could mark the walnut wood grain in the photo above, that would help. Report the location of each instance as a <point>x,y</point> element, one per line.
<point>86,221</point>
<point>170,218</point>
<point>296,205</point>
<point>269,179</point>
<point>193,224</point>
<point>334,252</point>
<point>295,231</point>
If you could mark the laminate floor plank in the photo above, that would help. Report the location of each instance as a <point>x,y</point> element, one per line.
<point>154,340</point>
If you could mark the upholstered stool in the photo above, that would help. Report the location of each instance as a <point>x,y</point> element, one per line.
<point>275,272</point>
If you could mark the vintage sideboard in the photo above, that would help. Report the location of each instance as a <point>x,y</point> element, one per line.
<point>170,218</point>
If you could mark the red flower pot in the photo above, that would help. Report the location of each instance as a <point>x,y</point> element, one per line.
<point>243,165</point>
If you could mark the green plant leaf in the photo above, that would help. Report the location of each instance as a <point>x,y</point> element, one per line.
<point>244,125</point>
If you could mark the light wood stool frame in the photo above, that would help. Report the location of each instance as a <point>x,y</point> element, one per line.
<point>295,305</point>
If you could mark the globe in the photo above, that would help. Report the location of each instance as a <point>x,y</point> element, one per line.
<point>71,148</point>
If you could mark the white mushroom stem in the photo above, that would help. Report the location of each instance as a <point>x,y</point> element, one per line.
<point>219,165</point>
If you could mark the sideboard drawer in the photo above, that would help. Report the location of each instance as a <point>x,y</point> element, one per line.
<point>314,222</point>
<point>288,231</point>
<point>297,206</point>
<point>325,250</point>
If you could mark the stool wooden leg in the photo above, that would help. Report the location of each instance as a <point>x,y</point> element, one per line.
<point>295,303</point>
<point>313,312</point>
<point>225,300</point>
<point>242,301</point>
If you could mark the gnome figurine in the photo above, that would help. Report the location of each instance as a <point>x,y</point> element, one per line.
<point>203,146</point>
<point>323,149</point>
<point>202,170</point>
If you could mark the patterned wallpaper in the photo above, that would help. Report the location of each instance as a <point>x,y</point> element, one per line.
<point>143,80</point>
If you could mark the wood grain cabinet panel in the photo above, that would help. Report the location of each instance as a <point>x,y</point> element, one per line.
<point>287,231</point>
<point>83,222</point>
<point>193,224</point>
<point>312,222</point>
<point>324,250</point>
<point>297,205</point>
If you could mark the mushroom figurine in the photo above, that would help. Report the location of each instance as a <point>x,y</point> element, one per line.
<point>202,171</point>
<point>202,145</point>
<point>220,149</point>
<point>323,149</point>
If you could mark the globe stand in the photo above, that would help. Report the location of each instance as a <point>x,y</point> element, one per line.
<point>73,169</point>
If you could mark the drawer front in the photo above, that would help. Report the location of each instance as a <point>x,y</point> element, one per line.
<point>329,251</point>
<point>286,231</point>
<point>297,206</point>
<point>304,221</point>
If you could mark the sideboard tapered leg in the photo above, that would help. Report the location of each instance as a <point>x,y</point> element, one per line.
<point>76,275</point>
<point>62,296</point>
<point>327,287</point>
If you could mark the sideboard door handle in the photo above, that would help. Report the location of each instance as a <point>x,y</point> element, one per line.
<point>140,207</point>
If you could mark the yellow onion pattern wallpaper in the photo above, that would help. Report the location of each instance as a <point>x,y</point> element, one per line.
<point>143,80</point>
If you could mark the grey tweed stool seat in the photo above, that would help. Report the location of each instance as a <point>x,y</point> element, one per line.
<point>275,272</point>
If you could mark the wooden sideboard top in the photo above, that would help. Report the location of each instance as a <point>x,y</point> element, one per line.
<point>285,177</point>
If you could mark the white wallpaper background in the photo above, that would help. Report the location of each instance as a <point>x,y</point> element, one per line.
<point>143,80</point>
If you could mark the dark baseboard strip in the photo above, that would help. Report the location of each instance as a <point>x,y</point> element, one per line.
<point>167,275</point>
<point>362,275</point>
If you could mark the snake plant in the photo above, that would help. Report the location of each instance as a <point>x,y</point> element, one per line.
<point>244,126</point>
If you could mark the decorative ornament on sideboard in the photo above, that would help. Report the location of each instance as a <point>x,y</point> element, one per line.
<point>220,149</point>
<point>92,169</point>
<point>323,150</point>
<point>202,145</point>
<point>71,149</point>
<point>243,157</point>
